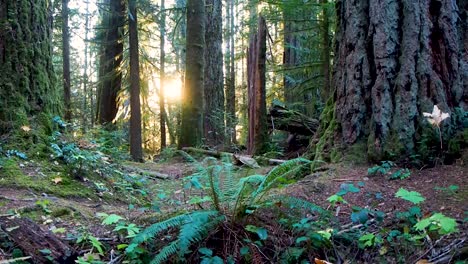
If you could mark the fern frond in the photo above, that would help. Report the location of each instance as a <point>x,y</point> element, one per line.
<point>245,189</point>
<point>166,253</point>
<point>151,231</point>
<point>279,173</point>
<point>229,181</point>
<point>213,177</point>
<point>294,202</point>
<point>197,228</point>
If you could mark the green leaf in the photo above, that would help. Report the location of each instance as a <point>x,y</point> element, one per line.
<point>260,231</point>
<point>112,219</point>
<point>367,240</point>
<point>96,244</point>
<point>217,260</point>
<point>45,251</point>
<point>410,196</point>
<point>301,239</point>
<point>336,199</point>
<point>244,251</point>
<point>122,246</point>
<point>445,225</point>
<point>206,251</point>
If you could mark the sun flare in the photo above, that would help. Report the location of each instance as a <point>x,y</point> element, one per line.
<point>173,89</point>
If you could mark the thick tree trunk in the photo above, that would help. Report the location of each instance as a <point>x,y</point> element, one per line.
<point>110,75</point>
<point>192,96</point>
<point>66,61</point>
<point>325,48</point>
<point>27,79</point>
<point>162,76</point>
<point>135,108</point>
<point>394,60</point>
<point>258,129</point>
<point>214,83</point>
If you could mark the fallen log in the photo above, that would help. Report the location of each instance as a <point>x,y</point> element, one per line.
<point>39,244</point>
<point>235,158</point>
<point>148,173</point>
<point>281,118</point>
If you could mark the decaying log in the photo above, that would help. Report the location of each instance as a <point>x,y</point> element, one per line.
<point>148,173</point>
<point>32,239</point>
<point>233,157</point>
<point>294,122</point>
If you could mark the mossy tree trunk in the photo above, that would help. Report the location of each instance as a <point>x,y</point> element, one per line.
<point>214,83</point>
<point>110,75</point>
<point>395,60</point>
<point>27,80</point>
<point>136,150</point>
<point>66,61</point>
<point>191,133</point>
<point>256,57</point>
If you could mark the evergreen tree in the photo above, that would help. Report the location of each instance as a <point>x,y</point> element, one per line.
<point>110,59</point>
<point>136,150</point>
<point>214,83</point>
<point>192,96</point>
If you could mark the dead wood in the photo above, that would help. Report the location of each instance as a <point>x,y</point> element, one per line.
<point>32,239</point>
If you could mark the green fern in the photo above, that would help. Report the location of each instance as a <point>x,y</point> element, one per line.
<point>193,227</point>
<point>294,202</point>
<point>278,174</point>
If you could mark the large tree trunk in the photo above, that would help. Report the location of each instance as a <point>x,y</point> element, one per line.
<point>110,75</point>
<point>192,95</point>
<point>395,60</point>
<point>214,89</point>
<point>27,82</point>
<point>66,61</point>
<point>135,107</point>
<point>258,128</point>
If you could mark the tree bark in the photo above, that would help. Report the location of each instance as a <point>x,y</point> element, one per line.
<point>110,75</point>
<point>31,239</point>
<point>230,75</point>
<point>27,79</point>
<point>192,96</point>
<point>394,60</point>
<point>135,108</point>
<point>214,80</point>
<point>66,61</point>
<point>162,110</point>
<point>258,134</point>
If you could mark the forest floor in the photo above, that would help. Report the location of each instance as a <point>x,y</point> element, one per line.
<point>445,189</point>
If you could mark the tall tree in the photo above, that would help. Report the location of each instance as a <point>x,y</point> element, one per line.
<point>192,94</point>
<point>66,61</point>
<point>27,83</point>
<point>256,67</point>
<point>214,83</point>
<point>394,61</point>
<point>136,150</point>
<point>85,71</point>
<point>110,60</point>
<point>162,75</point>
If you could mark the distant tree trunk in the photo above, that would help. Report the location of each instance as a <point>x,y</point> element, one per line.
<point>258,128</point>
<point>326,48</point>
<point>66,61</point>
<point>192,96</point>
<point>162,76</point>
<point>214,83</point>
<point>293,97</point>
<point>135,109</point>
<point>230,75</point>
<point>110,75</point>
<point>27,83</point>
<point>85,73</point>
<point>395,60</point>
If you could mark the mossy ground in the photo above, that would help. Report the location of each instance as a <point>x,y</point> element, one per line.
<point>40,178</point>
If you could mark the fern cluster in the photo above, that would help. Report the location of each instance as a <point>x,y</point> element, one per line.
<point>231,201</point>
